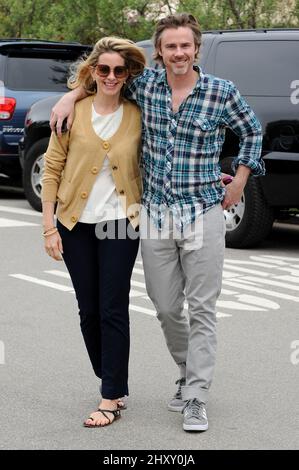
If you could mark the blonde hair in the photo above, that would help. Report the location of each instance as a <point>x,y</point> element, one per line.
<point>176,21</point>
<point>133,56</point>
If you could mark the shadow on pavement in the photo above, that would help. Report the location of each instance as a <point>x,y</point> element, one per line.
<point>284,236</point>
<point>8,192</point>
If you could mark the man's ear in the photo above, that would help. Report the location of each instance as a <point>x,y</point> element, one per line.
<point>159,51</point>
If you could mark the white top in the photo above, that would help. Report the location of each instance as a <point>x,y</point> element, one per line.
<point>103,202</point>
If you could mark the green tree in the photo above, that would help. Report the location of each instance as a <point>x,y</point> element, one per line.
<point>243,14</point>
<point>22,19</point>
<point>75,20</point>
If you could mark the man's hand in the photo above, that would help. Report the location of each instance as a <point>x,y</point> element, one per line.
<point>236,187</point>
<point>226,179</point>
<point>233,194</point>
<point>64,108</point>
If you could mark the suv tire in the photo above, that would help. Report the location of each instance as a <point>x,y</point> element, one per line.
<point>33,172</point>
<point>249,222</point>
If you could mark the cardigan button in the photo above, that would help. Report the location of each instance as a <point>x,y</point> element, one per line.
<point>121,191</point>
<point>84,195</point>
<point>115,167</point>
<point>74,218</point>
<point>131,216</point>
<point>94,170</point>
<point>106,145</point>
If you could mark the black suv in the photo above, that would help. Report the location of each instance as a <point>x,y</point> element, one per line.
<point>264,66</point>
<point>29,71</point>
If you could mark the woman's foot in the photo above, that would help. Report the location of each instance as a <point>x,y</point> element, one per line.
<point>107,416</point>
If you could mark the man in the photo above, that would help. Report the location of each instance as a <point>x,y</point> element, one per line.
<point>185,113</point>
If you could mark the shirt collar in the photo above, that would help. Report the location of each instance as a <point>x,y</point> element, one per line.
<point>202,81</point>
<point>161,79</point>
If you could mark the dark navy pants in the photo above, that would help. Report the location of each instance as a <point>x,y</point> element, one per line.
<point>101,270</point>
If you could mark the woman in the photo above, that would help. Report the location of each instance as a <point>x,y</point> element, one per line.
<point>93,172</point>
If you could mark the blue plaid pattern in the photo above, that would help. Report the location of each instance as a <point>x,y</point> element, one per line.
<point>181,151</point>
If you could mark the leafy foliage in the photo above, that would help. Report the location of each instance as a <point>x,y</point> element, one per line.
<point>86,22</point>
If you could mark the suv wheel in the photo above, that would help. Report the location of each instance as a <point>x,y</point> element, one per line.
<point>33,173</point>
<point>250,221</point>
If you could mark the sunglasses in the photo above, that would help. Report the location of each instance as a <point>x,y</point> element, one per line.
<point>102,70</point>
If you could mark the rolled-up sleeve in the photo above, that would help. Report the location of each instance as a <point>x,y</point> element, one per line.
<point>240,118</point>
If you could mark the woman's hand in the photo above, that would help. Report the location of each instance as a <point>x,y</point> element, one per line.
<point>53,246</point>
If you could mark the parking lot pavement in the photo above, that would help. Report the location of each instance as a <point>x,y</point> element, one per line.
<point>44,366</point>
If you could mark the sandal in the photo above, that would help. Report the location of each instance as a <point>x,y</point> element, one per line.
<point>116,414</point>
<point>121,404</point>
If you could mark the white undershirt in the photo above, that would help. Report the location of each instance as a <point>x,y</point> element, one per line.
<point>103,202</point>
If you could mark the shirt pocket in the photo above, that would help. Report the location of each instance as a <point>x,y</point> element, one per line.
<point>205,135</point>
<point>205,124</point>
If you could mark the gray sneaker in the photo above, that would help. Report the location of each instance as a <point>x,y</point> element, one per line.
<point>195,416</point>
<point>176,403</point>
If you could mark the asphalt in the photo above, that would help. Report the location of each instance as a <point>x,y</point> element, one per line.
<point>48,387</point>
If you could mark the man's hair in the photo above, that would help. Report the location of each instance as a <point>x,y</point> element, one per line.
<point>176,21</point>
<point>133,56</point>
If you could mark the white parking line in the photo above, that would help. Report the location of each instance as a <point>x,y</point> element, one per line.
<point>42,282</point>
<point>246,270</point>
<point>148,311</point>
<point>58,273</point>
<point>288,278</point>
<point>229,274</point>
<point>15,223</point>
<point>293,272</point>
<point>272,260</point>
<point>261,301</point>
<point>238,306</point>
<point>136,308</point>
<point>285,258</point>
<point>269,282</point>
<point>18,210</point>
<point>136,293</point>
<point>253,288</point>
<point>238,278</point>
<point>138,284</point>
<point>252,263</point>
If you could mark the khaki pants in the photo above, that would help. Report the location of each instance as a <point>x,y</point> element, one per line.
<point>187,267</point>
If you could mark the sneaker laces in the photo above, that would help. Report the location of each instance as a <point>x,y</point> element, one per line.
<point>194,407</point>
<point>181,382</point>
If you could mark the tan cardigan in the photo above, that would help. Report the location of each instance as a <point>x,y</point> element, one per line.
<point>73,161</point>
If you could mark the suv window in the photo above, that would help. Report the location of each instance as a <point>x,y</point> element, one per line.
<point>30,72</point>
<point>250,64</point>
<point>148,50</point>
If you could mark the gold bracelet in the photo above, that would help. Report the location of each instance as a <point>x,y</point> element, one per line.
<point>50,231</point>
<point>51,228</point>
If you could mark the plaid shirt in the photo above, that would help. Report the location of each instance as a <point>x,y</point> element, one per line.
<point>181,150</point>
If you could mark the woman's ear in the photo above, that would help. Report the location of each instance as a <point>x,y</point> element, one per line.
<point>92,72</point>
